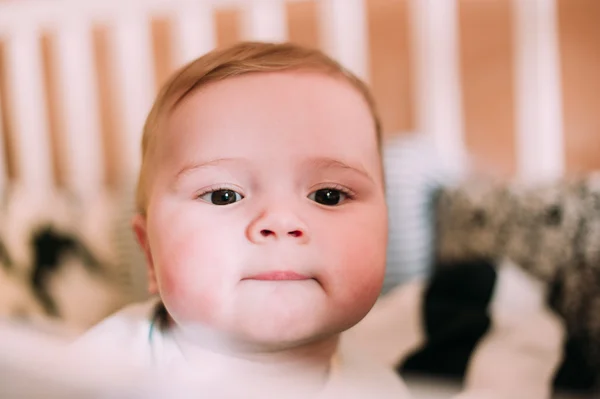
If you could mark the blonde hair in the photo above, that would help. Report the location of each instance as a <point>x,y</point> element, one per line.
<point>239,59</point>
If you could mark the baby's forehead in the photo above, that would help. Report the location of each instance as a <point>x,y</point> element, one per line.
<point>279,85</point>
<point>289,99</point>
<point>289,116</point>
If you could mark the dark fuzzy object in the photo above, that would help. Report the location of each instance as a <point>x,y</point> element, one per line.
<point>50,248</point>
<point>455,317</point>
<point>552,231</point>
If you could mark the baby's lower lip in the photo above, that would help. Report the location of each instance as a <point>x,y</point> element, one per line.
<point>278,276</point>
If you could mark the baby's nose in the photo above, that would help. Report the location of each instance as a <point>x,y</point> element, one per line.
<point>277,225</point>
<point>293,233</point>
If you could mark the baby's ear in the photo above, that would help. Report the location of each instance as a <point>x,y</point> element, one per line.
<point>138,223</point>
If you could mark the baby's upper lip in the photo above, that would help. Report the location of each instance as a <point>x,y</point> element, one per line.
<point>278,275</point>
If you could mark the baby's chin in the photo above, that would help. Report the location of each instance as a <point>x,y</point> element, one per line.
<point>266,316</point>
<point>282,314</point>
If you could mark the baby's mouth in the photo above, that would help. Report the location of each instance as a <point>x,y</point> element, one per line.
<point>279,275</point>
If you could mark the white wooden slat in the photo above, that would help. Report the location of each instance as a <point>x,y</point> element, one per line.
<point>81,141</point>
<point>264,20</point>
<point>344,34</point>
<point>49,14</point>
<point>133,71</point>
<point>193,31</point>
<point>539,123</point>
<point>438,95</point>
<point>3,165</point>
<point>26,96</point>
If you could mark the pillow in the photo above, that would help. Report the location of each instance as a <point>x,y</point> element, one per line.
<point>61,257</point>
<point>414,173</point>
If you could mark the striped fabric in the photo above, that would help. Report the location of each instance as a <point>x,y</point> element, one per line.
<point>129,255</point>
<point>414,172</point>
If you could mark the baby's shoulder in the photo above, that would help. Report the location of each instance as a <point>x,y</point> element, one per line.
<point>126,331</point>
<point>355,376</point>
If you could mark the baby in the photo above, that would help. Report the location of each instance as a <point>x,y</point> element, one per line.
<point>262,216</point>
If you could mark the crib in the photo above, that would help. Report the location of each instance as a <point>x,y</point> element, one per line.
<point>72,119</point>
<point>54,132</point>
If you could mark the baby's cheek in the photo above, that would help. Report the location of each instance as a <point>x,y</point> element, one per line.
<point>360,273</point>
<point>363,282</point>
<point>186,300</point>
<point>183,288</point>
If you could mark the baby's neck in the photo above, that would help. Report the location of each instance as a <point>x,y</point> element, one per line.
<point>305,367</point>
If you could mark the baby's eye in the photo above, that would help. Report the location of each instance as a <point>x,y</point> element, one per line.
<point>221,197</point>
<point>328,196</point>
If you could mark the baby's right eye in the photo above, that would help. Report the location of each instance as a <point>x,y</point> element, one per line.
<point>221,197</point>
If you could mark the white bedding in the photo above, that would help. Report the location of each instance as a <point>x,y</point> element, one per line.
<point>19,346</point>
<point>516,359</point>
<point>432,388</point>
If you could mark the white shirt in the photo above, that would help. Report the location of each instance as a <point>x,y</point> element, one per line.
<point>135,333</point>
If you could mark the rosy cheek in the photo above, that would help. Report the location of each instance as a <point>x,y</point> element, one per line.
<point>170,266</point>
<point>362,263</point>
<point>169,281</point>
<point>185,297</point>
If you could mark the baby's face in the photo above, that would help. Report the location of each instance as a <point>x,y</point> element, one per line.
<point>266,215</point>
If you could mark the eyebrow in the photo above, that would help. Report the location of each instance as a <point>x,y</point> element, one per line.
<point>331,163</point>
<point>317,162</point>
<point>195,166</point>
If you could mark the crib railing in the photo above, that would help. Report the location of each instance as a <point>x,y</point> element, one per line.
<point>25,124</point>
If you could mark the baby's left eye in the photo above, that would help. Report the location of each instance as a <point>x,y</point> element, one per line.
<point>328,196</point>
<point>222,197</point>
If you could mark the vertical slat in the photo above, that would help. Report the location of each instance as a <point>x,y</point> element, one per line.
<point>227,25</point>
<point>193,31</point>
<point>264,20</point>
<point>344,34</point>
<point>487,73</point>
<point>3,160</point>
<point>132,69</point>
<point>26,100</point>
<point>391,69</point>
<point>437,86</point>
<point>81,141</point>
<point>540,141</point>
